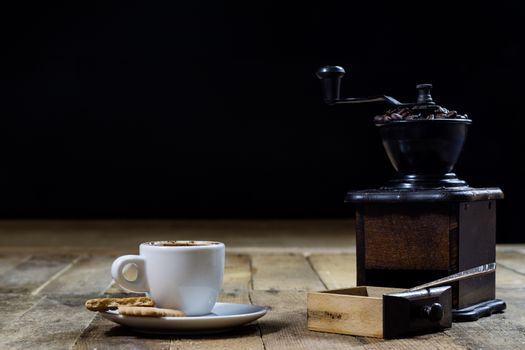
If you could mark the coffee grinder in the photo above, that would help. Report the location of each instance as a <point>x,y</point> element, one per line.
<point>425,223</point>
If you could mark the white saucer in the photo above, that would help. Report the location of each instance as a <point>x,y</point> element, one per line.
<point>224,316</point>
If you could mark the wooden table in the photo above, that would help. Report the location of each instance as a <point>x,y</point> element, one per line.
<point>49,268</point>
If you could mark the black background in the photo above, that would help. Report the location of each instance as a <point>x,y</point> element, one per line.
<point>211,109</point>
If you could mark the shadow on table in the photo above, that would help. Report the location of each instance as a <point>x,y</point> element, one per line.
<point>238,332</point>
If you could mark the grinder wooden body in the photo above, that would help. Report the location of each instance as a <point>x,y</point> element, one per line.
<point>409,237</point>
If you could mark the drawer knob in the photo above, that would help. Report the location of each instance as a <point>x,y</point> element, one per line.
<point>433,312</point>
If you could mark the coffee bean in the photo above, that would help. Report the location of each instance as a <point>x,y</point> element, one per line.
<point>404,112</point>
<point>416,112</point>
<point>441,110</point>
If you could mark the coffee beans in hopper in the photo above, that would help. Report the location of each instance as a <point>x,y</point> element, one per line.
<point>414,113</point>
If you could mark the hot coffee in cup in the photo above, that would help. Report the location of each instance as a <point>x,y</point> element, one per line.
<point>182,275</point>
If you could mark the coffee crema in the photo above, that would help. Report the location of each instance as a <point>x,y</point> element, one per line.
<point>181,243</point>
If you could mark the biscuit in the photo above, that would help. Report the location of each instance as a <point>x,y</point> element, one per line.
<point>149,311</point>
<point>104,304</point>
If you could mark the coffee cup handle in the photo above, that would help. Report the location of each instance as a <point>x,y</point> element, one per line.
<point>138,285</point>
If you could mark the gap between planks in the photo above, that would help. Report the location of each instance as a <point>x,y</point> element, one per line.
<point>57,275</point>
<point>284,272</point>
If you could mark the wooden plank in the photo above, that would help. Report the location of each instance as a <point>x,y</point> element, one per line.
<point>237,274</point>
<point>104,334</point>
<point>49,324</point>
<point>29,275</point>
<point>494,332</point>
<point>8,261</point>
<point>435,341</point>
<point>91,275</point>
<point>513,260</point>
<point>245,338</point>
<point>335,270</point>
<point>284,272</point>
<point>511,285</point>
<point>15,305</point>
<point>507,278</point>
<point>23,311</point>
<point>515,300</point>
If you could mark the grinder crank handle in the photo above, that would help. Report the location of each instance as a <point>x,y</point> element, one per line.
<point>331,76</point>
<point>470,273</point>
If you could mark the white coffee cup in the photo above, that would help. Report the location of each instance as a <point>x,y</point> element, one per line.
<point>182,275</point>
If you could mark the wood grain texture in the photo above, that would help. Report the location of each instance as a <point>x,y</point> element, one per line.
<point>411,237</point>
<point>245,338</point>
<point>511,270</point>
<point>346,313</point>
<point>515,304</point>
<point>30,274</point>
<point>237,274</point>
<point>104,334</point>
<point>284,272</point>
<point>49,324</point>
<point>495,332</point>
<point>13,306</point>
<point>335,270</point>
<point>91,275</point>
<point>507,278</point>
<point>434,341</point>
<point>512,260</point>
<point>8,261</point>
